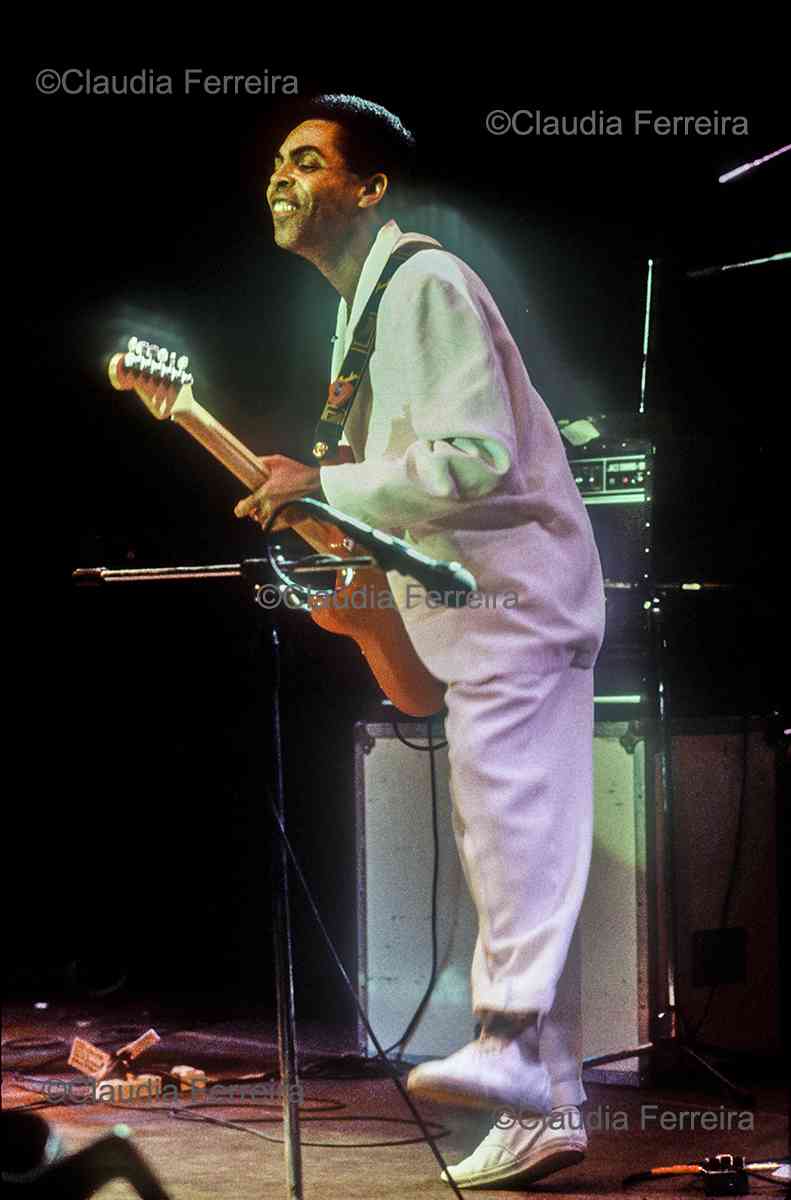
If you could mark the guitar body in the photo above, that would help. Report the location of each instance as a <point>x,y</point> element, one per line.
<point>363,609</point>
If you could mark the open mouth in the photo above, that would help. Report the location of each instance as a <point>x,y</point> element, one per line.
<point>283,208</point>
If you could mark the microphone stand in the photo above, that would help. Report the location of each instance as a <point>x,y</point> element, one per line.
<point>259,570</point>
<point>253,569</point>
<point>668,1042</point>
<point>666,1038</point>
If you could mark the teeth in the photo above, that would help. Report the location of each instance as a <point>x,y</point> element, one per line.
<point>284,206</point>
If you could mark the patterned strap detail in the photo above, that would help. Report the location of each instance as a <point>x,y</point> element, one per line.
<point>342,391</point>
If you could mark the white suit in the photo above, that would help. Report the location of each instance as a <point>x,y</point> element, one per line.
<point>457,452</point>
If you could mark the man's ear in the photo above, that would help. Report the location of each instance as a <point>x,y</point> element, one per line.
<point>373,191</point>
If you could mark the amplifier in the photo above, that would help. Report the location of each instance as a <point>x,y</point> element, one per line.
<point>395,858</point>
<point>615,479</point>
<point>616,473</point>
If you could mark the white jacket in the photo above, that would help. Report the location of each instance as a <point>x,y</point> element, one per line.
<point>456,451</point>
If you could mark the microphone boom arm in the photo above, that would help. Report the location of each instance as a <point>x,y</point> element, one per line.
<point>453,582</point>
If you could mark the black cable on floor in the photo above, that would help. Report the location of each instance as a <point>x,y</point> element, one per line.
<point>319,1104</point>
<point>439,1130</point>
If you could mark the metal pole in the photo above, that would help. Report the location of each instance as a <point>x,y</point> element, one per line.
<point>667,1017</point>
<point>284,962</point>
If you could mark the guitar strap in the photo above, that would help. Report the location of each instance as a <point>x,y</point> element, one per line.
<point>343,390</point>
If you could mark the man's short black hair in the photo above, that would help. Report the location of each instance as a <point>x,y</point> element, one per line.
<point>374,138</point>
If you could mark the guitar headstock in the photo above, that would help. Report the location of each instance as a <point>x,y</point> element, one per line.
<point>160,378</point>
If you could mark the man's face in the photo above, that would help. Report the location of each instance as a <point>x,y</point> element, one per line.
<point>312,195</point>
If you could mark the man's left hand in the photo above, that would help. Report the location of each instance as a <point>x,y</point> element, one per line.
<point>286,479</point>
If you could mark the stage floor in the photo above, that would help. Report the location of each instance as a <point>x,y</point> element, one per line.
<point>206,1161</point>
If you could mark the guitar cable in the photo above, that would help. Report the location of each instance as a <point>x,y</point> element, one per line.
<point>351,1066</point>
<point>431,749</point>
<point>400,1045</point>
<point>738,839</point>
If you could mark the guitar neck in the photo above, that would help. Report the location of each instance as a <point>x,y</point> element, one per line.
<point>221,443</point>
<point>242,463</point>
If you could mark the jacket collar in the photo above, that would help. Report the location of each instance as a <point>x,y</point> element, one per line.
<point>384,244</point>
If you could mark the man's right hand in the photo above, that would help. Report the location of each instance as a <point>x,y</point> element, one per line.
<point>286,479</point>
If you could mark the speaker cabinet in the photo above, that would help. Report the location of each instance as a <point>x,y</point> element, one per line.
<point>395,859</point>
<point>725,819</point>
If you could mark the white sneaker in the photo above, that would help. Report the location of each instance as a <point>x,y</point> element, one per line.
<point>493,1072</point>
<point>517,1152</point>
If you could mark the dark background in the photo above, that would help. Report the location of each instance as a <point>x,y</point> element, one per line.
<point>138,827</point>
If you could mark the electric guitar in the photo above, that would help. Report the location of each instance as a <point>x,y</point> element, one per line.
<point>162,382</point>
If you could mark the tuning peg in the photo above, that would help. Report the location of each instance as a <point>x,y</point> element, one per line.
<point>183,363</point>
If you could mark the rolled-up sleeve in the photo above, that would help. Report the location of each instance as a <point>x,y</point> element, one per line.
<point>441,419</point>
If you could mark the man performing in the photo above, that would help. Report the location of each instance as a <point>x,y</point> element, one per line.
<point>455,450</point>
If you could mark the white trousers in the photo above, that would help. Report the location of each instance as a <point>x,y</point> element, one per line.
<point>521,761</point>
